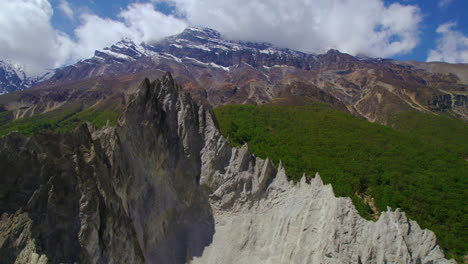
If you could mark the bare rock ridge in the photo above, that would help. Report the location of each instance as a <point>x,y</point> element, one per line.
<point>163,186</point>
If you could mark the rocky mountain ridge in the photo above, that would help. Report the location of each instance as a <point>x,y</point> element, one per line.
<point>165,187</point>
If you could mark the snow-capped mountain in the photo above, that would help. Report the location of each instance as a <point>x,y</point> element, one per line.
<point>205,45</point>
<point>197,45</point>
<point>14,78</point>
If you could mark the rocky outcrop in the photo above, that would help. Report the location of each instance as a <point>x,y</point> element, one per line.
<point>308,224</point>
<point>57,204</point>
<point>165,187</point>
<point>458,103</point>
<point>156,170</point>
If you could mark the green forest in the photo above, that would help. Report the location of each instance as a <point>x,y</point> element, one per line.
<point>417,163</point>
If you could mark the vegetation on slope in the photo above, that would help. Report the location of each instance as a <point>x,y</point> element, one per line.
<point>448,134</point>
<point>58,121</point>
<point>419,166</point>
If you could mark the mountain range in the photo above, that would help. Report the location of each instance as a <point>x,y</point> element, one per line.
<point>217,71</point>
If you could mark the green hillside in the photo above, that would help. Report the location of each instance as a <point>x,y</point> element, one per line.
<point>60,121</point>
<point>419,165</point>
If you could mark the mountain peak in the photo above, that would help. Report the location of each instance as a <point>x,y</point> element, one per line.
<point>13,77</point>
<point>125,42</point>
<point>333,52</point>
<point>12,65</point>
<point>202,32</point>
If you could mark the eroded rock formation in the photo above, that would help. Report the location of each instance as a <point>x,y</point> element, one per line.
<point>165,187</point>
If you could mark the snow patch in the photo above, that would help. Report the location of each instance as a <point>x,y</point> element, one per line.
<point>117,55</point>
<point>200,47</point>
<point>268,51</point>
<point>207,64</point>
<point>170,56</point>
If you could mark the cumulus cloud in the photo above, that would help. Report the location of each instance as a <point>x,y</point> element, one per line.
<point>148,25</point>
<point>367,27</point>
<point>64,6</point>
<point>452,46</point>
<point>96,33</point>
<point>139,23</point>
<point>28,37</point>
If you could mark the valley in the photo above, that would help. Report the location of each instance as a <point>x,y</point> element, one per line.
<point>163,186</point>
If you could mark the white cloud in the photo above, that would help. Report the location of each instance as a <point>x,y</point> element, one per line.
<point>353,26</point>
<point>452,46</point>
<point>148,25</point>
<point>64,6</point>
<point>140,23</point>
<point>27,36</point>
<point>96,33</point>
<point>445,3</point>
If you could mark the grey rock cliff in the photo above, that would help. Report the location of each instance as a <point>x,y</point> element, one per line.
<point>165,187</point>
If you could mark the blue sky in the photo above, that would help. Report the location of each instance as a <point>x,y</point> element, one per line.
<point>44,34</point>
<point>433,16</point>
<point>102,8</point>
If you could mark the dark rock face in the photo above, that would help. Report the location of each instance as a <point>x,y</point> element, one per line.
<point>157,168</point>
<point>129,195</point>
<point>450,102</point>
<point>52,185</point>
<point>441,103</point>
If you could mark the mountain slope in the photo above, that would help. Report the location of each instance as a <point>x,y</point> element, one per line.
<point>163,186</point>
